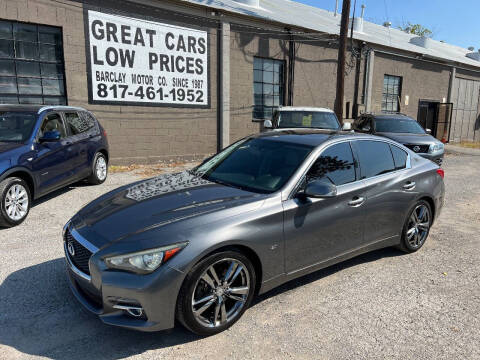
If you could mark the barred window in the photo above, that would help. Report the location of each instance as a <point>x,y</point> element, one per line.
<point>31,64</point>
<point>392,90</point>
<point>268,87</point>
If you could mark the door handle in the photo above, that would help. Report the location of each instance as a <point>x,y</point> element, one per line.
<point>356,201</point>
<point>410,185</point>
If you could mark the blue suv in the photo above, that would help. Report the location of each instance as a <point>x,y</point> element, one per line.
<point>44,148</point>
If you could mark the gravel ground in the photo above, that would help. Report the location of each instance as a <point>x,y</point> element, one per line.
<point>382,305</point>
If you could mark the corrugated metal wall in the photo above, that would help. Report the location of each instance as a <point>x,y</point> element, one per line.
<point>466,111</point>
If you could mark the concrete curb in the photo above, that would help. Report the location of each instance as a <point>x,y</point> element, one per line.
<point>461,150</point>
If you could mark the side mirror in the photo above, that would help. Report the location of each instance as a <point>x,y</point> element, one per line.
<point>50,136</point>
<point>429,131</point>
<point>320,188</point>
<point>347,126</point>
<point>267,124</point>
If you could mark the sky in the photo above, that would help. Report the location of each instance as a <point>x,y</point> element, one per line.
<point>454,21</point>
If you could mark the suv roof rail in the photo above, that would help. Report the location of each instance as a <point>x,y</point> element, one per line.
<point>59,107</point>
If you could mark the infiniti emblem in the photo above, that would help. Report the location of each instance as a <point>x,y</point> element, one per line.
<point>71,249</point>
<point>416,148</point>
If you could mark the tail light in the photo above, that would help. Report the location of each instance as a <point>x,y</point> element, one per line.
<point>104,133</point>
<point>441,172</point>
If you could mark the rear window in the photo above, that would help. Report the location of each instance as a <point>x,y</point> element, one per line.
<point>399,157</point>
<point>308,119</point>
<point>78,123</point>
<point>375,158</point>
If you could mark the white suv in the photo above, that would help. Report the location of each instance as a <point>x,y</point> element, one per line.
<point>290,117</point>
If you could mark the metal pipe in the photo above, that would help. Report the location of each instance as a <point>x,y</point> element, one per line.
<point>336,7</point>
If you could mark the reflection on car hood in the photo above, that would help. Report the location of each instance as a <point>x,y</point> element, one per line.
<point>407,138</point>
<point>155,203</point>
<point>7,146</point>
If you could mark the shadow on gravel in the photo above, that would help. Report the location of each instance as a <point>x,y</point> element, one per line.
<point>307,279</point>
<point>39,316</point>
<point>60,191</point>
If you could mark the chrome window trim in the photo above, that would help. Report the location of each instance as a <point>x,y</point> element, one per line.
<point>291,187</point>
<point>76,270</point>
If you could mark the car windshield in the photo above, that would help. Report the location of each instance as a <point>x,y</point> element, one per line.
<point>261,165</point>
<point>398,126</point>
<point>310,119</point>
<point>16,126</point>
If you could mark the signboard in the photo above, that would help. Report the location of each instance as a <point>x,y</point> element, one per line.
<point>140,62</point>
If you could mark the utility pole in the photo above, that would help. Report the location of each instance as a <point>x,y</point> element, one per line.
<point>342,49</point>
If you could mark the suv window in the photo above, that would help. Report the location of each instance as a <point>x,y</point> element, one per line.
<point>335,163</point>
<point>52,122</point>
<point>399,157</point>
<point>375,158</point>
<point>78,124</point>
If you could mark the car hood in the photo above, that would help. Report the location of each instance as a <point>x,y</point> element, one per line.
<point>8,146</point>
<point>157,203</point>
<point>408,138</point>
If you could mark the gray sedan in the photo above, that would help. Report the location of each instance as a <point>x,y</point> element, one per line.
<point>197,246</point>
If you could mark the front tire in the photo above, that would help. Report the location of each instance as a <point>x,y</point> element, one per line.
<point>99,169</point>
<point>417,227</point>
<point>216,293</point>
<point>15,201</point>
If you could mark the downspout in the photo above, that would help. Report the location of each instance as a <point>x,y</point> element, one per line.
<point>451,84</point>
<point>291,68</point>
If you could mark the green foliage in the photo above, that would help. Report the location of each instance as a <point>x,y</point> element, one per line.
<point>416,29</point>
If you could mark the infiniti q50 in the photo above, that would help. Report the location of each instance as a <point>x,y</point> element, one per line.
<point>197,246</point>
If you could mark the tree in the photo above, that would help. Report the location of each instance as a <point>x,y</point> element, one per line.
<point>416,29</point>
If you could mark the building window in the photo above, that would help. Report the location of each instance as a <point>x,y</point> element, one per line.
<point>31,64</point>
<point>392,90</point>
<point>268,87</point>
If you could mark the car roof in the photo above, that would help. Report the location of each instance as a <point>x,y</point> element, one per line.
<point>311,137</point>
<point>304,108</point>
<point>392,117</point>
<point>37,108</point>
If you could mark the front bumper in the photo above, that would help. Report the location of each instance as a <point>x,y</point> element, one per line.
<point>99,292</point>
<point>437,158</point>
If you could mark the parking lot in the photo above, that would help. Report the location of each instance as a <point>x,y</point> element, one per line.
<point>380,305</point>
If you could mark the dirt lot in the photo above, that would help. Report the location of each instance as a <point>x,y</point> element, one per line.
<point>382,305</point>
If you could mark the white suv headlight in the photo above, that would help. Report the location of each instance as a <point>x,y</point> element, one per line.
<point>144,262</point>
<point>436,148</point>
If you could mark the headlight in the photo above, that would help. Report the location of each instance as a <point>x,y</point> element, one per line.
<point>436,148</point>
<point>144,262</point>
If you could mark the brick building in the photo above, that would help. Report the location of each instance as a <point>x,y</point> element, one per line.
<point>183,78</point>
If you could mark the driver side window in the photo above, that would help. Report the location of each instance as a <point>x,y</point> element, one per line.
<point>336,163</point>
<point>52,122</point>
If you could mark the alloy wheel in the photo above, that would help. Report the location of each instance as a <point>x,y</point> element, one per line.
<point>16,202</point>
<point>101,168</point>
<point>220,293</point>
<point>418,226</point>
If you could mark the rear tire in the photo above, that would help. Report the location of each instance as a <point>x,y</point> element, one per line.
<point>417,227</point>
<point>209,301</point>
<point>99,169</point>
<point>15,201</point>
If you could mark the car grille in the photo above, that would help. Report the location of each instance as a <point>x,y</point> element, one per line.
<point>418,148</point>
<point>81,256</point>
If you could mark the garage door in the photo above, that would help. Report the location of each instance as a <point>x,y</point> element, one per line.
<point>465,116</point>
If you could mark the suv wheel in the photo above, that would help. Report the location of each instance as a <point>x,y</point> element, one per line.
<point>99,169</point>
<point>15,201</point>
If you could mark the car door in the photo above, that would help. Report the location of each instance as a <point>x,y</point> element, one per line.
<point>319,229</point>
<point>79,136</point>
<point>389,188</point>
<point>51,162</point>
